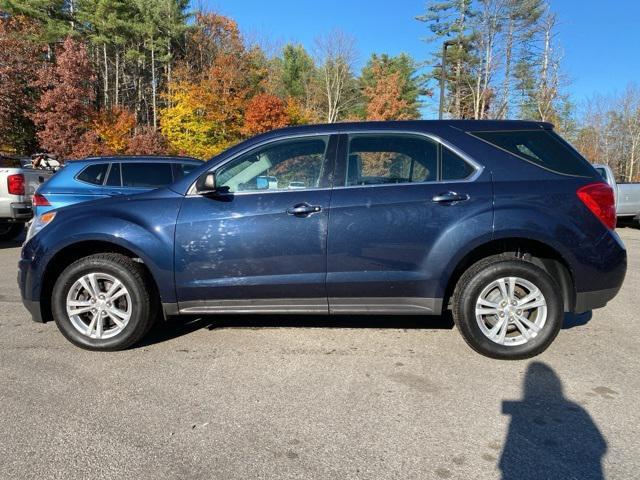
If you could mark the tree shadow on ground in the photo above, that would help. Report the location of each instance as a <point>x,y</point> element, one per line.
<point>550,437</point>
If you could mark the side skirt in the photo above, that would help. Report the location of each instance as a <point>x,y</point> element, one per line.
<point>317,306</point>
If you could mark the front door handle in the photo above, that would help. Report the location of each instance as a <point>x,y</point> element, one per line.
<point>303,210</point>
<point>450,197</point>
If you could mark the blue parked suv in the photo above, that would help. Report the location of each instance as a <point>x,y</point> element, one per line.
<point>100,177</point>
<point>502,222</point>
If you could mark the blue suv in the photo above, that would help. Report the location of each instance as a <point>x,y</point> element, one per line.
<point>100,177</point>
<point>502,222</point>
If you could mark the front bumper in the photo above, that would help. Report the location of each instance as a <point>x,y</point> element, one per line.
<point>24,284</point>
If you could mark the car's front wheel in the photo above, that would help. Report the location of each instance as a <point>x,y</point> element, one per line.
<point>103,302</point>
<point>507,308</point>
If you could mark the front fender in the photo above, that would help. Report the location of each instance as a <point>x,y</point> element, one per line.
<point>143,226</point>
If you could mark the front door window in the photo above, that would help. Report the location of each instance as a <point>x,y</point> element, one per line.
<point>287,165</point>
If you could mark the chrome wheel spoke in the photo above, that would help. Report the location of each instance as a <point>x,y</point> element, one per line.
<point>528,298</point>
<point>99,325</point>
<point>486,311</point>
<point>91,326</point>
<point>502,285</point>
<point>512,288</point>
<point>498,329</point>
<point>115,291</point>
<point>538,302</point>
<point>527,323</point>
<point>486,303</point>
<point>78,310</point>
<point>521,328</point>
<point>117,315</point>
<point>88,288</point>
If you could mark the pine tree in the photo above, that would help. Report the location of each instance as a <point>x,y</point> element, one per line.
<point>393,80</point>
<point>449,20</point>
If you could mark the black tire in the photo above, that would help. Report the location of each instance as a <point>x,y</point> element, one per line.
<point>479,276</point>
<point>132,276</point>
<point>10,231</point>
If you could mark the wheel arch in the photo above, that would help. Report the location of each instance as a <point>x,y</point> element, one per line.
<point>537,252</point>
<point>75,251</point>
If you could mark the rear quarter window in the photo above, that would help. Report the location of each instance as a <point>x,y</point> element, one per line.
<point>94,174</point>
<point>541,147</point>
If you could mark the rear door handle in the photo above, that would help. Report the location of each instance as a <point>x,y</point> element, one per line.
<point>303,210</point>
<point>450,197</point>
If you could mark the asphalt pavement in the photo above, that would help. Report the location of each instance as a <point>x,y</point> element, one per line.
<point>317,397</point>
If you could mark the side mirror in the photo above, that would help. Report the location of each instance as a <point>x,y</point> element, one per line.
<point>206,184</point>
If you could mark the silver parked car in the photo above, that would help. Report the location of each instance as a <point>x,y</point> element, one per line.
<point>17,186</point>
<point>627,195</point>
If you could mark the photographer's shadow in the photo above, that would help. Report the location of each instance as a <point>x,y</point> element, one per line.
<point>550,437</point>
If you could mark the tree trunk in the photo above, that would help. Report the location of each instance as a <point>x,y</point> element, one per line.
<point>153,85</point>
<point>117,95</point>
<point>506,82</point>
<point>106,75</point>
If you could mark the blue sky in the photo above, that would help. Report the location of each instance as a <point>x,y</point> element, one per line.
<point>600,40</point>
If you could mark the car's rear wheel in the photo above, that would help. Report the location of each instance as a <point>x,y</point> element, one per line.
<point>508,308</point>
<point>10,231</point>
<point>103,302</point>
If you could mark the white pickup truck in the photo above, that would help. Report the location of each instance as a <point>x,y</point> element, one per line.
<point>17,186</point>
<point>627,195</point>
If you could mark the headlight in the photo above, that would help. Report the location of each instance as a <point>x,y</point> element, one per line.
<point>39,223</point>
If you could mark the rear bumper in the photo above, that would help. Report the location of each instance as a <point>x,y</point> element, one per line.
<point>586,301</point>
<point>20,212</point>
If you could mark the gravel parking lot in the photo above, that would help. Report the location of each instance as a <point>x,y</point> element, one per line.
<point>299,397</point>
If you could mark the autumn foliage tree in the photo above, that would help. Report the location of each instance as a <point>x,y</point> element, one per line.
<point>385,101</point>
<point>391,88</point>
<point>66,104</point>
<point>20,61</point>
<point>115,126</point>
<point>265,112</point>
<point>147,142</point>
<point>207,100</point>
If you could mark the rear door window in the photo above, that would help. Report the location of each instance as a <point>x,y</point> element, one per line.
<point>541,147</point>
<point>383,159</point>
<point>146,175</point>
<point>94,174</point>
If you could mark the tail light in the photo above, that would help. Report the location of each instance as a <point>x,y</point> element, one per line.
<point>40,200</point>
<point>598,197</point>
<point>15,184</point>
